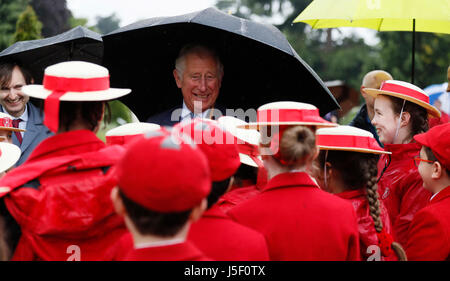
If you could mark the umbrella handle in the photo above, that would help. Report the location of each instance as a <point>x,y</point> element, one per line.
<point>413,50</point>
<point>71,51</point>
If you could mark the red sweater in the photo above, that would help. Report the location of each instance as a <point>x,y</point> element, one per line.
<point>300,221</point>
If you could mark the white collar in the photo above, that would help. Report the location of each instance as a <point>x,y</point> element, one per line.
<point>185,112</point>
<point>434,195</point>
<point>24,115</point>
<point>159,243</point>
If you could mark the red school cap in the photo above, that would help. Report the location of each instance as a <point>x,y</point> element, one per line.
<point>164,172</point>
<point>219,146</point>
<point>438,140</point>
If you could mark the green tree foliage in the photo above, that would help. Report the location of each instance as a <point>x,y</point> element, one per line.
<point>107,24</point>
<point>28,26</point>
<point>74,22</point>
<point>9,13</point>
<point>345,59</point>
<point>349,59</point>
<point>53,14</point>
<point>432,56</point>
<point>120,114</point>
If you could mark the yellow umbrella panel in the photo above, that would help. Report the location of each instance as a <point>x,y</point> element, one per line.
<point>381,15</point>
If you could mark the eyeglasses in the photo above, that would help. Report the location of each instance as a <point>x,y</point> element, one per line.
<point>417,160</point>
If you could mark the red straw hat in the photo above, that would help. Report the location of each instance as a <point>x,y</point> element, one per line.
<point>349,139</point>
<point>6,123</point>
<point>164,172</point>
<point>406,91</point>
<point>288,113</point>
<point>438,140</point>
<point>218,145</point>
<point>72,81</point>
<point>126,133</point>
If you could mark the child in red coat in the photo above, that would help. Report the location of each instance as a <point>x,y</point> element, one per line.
<point>348,168</point>
<point>57,203</point>
<point>298,220</point>
<point>401,112</point>
<point>159,197</point>
<point>215,233</point>
<point>429,233</point>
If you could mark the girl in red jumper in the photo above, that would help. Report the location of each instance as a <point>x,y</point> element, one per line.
<point>348,168</point>
<point>401,111</point>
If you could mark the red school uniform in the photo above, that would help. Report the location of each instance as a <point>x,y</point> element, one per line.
<point>401,187</point>
<point>429,233</point>
<point>236,196</point>
<point>300,221</point>
<point>61,199</point>
<point>367,233</point>
<point>223,239</point>
<point>185,251</point>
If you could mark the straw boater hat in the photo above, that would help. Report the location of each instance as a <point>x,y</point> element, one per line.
<point>72,81</point>
<point>127,132</point>
<point>288,113</point>
<point>6,123</point>
<point>348,138</point>
<point>9,154</point>
<point>406,91</point>
<point>248,140</point>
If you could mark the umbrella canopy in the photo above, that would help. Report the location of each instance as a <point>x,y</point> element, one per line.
<point>381,15</point>
<point>260,65</point>
<point>78,43</point>
<point>439,92</point>
<point>435,91</point>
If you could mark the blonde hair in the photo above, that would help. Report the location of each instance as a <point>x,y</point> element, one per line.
<point>297,145</point>
<point>373,79</point>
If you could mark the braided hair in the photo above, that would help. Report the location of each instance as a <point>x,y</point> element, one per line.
<point>359,170</point>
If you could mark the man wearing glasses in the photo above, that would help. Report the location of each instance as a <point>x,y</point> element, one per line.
<point>26,116</point>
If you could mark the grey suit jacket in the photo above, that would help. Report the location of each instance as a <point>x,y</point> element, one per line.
<point>36,132</point>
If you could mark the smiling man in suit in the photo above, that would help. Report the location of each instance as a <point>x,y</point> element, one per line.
<point>198,74</point>
<point>26,116</point>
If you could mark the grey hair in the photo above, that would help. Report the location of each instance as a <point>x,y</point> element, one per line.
<point>180,62</point>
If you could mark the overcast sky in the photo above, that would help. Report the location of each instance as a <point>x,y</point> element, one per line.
<point>129,11</point>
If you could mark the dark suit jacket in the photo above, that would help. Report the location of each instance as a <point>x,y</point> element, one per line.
<point>36,132</point>
<point>172,116</point>
<point>361,120</point>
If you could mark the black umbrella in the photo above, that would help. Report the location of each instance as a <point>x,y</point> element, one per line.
<point>260,65</point>
<point>79,43</point>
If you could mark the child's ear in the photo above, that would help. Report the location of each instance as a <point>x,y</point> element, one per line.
<point>117,202</point>
<point>437,171</point>
<point>405,118</point>
<point>198,210</point>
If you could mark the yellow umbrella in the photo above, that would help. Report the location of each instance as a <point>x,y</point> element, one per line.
<point>381,15</point>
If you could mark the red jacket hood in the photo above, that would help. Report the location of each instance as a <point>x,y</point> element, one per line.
<point>72,199</point>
